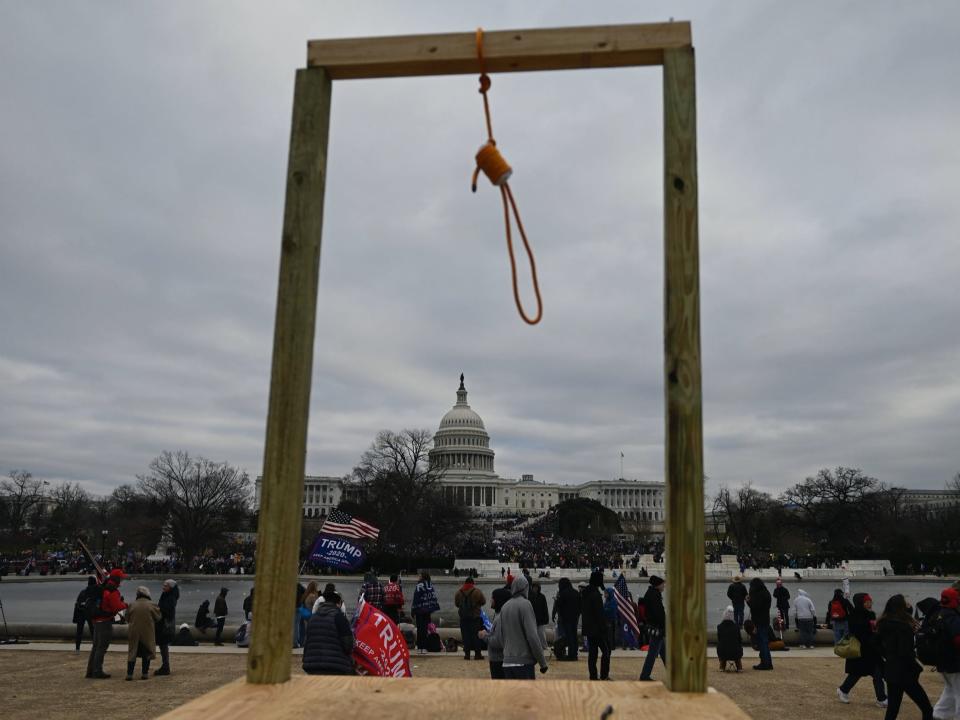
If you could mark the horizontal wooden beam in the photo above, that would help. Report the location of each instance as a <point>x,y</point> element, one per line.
<point>572,48</point>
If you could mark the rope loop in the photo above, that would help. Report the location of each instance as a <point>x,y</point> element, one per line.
<point>492,163</point>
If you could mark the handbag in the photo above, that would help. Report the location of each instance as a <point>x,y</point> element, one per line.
<point>848,648</point>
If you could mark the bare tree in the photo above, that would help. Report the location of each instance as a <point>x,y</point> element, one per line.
<point>744,512</point>
<point>202,498</point>
<point>836,507</point>
<point>21,496</point>
<point>71,513</point>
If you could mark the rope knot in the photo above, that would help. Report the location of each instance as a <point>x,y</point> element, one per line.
<point>485,83</point>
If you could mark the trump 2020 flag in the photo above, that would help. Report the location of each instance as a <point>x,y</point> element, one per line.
<point>378,648</point>
<point>627,612</point>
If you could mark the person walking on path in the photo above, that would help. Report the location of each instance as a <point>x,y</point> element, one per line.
<point>220,613</point>
<point>595,627</point>
<point>948,660</point>
<point>424,604</point>
<point>656,617</point>
<point>393,599</point>
<point>729,644</point>
<point>895,632</point>
<point>566,612</point>
<point>806,615</point>
<point>469,599</point>
<point>80,610</point>
<point>328,646</point>
<point>107,608</point>
<point>541,611</point>
<point>167,629</point>
<point>863,623</point>
<point>142,617</point>
<point>838,613</point>
<point>782,597</point>
<point>516,634</point>
<point>737,593</point>
<point>759,601</point>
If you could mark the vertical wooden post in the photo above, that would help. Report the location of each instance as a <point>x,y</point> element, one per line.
<point>686,575</point>
<point>278,534</point>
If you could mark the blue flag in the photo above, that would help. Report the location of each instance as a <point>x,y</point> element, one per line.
<point>336,552</point>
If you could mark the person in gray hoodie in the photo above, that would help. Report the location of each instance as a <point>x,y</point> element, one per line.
<point>806,615</point>
<point>514,634</point>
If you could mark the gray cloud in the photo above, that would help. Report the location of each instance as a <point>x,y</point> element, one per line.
<point>141,194</point>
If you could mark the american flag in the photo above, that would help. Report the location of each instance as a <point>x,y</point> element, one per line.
<point>344,524</point>
<point>627,612</point>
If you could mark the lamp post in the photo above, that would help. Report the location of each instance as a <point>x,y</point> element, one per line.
<point>103,543</point>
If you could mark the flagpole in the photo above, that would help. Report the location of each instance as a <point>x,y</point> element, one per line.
<point>621,465</point>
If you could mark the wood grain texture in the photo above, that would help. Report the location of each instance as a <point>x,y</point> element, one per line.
<point>504,50</point>
<point>686,576</point>
<point>426,698</point>
<point>278,534</point>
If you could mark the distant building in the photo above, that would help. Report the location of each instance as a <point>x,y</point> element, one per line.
<point>931,502</point>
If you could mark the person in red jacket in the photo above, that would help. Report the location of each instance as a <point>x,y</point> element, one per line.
<point>110,604</point>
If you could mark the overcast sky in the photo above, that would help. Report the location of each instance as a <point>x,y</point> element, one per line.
<point>142,171</point>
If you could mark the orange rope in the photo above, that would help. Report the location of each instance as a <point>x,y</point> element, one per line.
<point>496,168</point>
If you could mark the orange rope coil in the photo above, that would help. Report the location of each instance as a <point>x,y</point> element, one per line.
<point>498,171</point>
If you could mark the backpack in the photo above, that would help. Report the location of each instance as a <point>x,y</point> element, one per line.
<point>933,641</point>
<point>837,611</point>
<point>466,604</point>
<point>91,604</point>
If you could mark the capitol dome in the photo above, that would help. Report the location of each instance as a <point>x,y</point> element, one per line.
<point>461,444</point>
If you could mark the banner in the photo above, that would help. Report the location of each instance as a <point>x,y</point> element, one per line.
<point>379,648</point>
<point>336,552</point>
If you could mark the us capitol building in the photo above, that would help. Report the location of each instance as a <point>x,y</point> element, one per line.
<point>461,450</point>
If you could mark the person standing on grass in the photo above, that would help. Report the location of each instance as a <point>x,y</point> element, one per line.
<point>948,660</point>
<point>738,598</point>
<point>595,627</point>
<point>539,602</point>
<point>516,633</point>
<point>759,601</point>
<point>142,617</point>
<point>167,628</point>
<point>656,617</point>
<point>393,599</point>
<point>80,612</point>
<point>566,612</point>
<point>424,604</point>
<point>863,622</point>
<point>220,613</point>
<point>782,597</point>
<point>469,599</point>
<point>838,612</point>
<point>103,618</point>
<point>806,615</point>
<point>901,669</point>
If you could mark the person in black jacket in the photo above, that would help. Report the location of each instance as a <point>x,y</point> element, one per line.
<point>80,610</point>
<point>595,626</point>
<point>729,644</point>
<point>540,611</point>
<point>862,626</point>
<point>167,627</point>
<point>566,612</point>
<point>738,598</point>
<point>895,632</point>
<point>759,601</point>
<point>782,597</point>
<point>328,647</point>
<point>656,626</point>
<point>948,659</point>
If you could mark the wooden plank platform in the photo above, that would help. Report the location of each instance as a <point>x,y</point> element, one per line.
<point>315,696</point>
<point>598,46</point>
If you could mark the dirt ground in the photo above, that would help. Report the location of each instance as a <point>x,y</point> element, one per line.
<point>49,684</point>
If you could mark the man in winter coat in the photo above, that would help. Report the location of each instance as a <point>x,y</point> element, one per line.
<point>110,604</point>
<point>469,599</point>
<point>656,626</point>
<point>372,590</point>
<point>948,664</point>
<point>738,598</point>
<point>759,601</point>
<point>167,628</point>
<point>328,648</point>
<point>566,612</point>
<point>863,627</point>
<point>782,597</point>
<point>515,634</point>
<point>79,610</point>
<point>595,626</point>
<point>220,613</point>
<point>142,617</point>
<point>806,615</point>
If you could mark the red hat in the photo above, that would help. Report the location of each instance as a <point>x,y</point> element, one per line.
<point>119,574</point>
<point>950,598</point>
